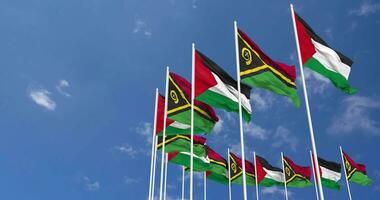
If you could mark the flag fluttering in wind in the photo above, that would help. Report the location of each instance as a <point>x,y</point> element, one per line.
<point>236,170</point>
<point>330,173</point>
<point>215,162</point>
<point>172,127</point>
<point>179,106</point>
<point>182,143</point>
<point>259,70</point>
<point>317,55</point>
<point>267,175</point>
<point>220,178</point>
<point>295,175</point>
<point>355,172</point>
<point>217,88</point>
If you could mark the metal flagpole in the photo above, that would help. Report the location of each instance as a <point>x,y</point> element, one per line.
<point>284,171</point>
<point>204,186</point>
<point>166,174</point>
<point>154,167</point>
<point>345,173</point>
<point>229,175</point>
<point>153,146</point>
<point>164,133</point>
<point>192,118</point>
<point>183,182</point>
<point>257,184</point>
<point>315,157</point>
<point>240,112</point>
<point>315,178</point>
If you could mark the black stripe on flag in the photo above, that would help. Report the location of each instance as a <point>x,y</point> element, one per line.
<point>266,164</point>
<point>333,166</point>
<point>223,75</point>
<point>315,37</point>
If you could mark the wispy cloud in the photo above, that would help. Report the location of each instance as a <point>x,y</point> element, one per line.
<point>256,131</point>
<point>42,98</point>
<point>62,85</point>
<point>127,149</point>
<point>91,185</point>
<point>142,27</point>
<point>355,114</point>
<point>262,100</point>
<point>130,180</point>
<point>275,191</point>
<point>366,8</point>
<point>194,4</point>
<point>218,126</point>
<point>316,83</point>
<point>283,136</point>
<point>145,129</point>
<point>329,33</point>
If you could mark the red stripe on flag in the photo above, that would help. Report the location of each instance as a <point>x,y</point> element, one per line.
<point>260,174</point>
<point>359,167</point>
<point>306,46</point>
<point>203,76</point>
<point>160,115</point>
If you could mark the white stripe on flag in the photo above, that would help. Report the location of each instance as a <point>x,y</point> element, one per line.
<point>329,174</point>
<point>180,125</point>
<point>274,175</point>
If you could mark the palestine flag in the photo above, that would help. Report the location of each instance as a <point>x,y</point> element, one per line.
<point>200,163</point>
<point>355,172</point>
<point>259,70</point>
<point>317,55</point>
<point>179,106</point>
<point>182,143</point>
<point>172,127</point>
<point>330,173</point>
<point>295,175</point>
<point>267,175</point>
<point>217,88</point>
<point>216,163</point>
<point>236,170</point>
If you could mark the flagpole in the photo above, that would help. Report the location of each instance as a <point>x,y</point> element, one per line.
<point>154,167</point>
<point>315,157</point>
<point>345,173</point>
<point>204,186</point>
<point>153,145</point>
<point>166,174</point>
<point>315,180</point>
<point>283,172</point>
<point>192,118</point>
<point>183,182</point>
<point>164,133</point>
<point>229,175</point>
<point>257,184</point>
<point>240,112</point>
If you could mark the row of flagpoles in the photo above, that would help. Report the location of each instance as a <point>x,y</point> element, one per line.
<point>164,156</point>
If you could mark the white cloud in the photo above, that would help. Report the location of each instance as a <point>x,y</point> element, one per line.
<point>366,8</point>
<point>145,129</point>
<point>62,84</point>
<point>283,137</point>
<point>275,191</point>
<point>262,100</point>
<point>194,4</point>
<point>127,149</point>
<point>41,97</point>
<point>316,83</point>
<point>142,27</point>
<point>129,180</point>
<point>218,126</point>
<point>91,185</point>
<point>329,33</point>
<point>256,131</point>
<point>356,116</point>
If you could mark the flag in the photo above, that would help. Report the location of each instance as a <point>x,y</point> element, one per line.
<point>217,88</point>
<point>236,170</point>
<point>172,127</point>
<point>182,143</point>
<point>267,175</point>
<point>179,105</point>
<point>259,70</point>
<point>220,178</point>
<point>330,173</point>
<point>200,163</point>
<point>355,172</point>
<point>317,55</point>
<point>295,175</point>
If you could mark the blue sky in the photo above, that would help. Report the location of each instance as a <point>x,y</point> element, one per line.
<point>77,88</point>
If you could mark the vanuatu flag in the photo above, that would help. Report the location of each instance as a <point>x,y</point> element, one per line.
<point>236,170</point>
<point>295,175</point>
<point>355,172</point>
<point>200,163</point>
<point>317,55</point>
<point>216,163</point>
<point>179,105</point>
<point>330,173</point>
<point>217,88</point>
<point>182,143</point>
<point>267,175</point>
<point>259,70</point>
